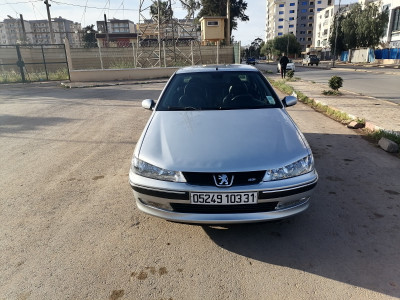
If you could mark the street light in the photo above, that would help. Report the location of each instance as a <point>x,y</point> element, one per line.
<point>288,38</point>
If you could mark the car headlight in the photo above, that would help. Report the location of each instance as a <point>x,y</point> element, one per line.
<point>145,169</point>
<point>300,167</point>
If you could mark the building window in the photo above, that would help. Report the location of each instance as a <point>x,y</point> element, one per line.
<point>304,3</point>
<point>291,18</point>
<point>291,11</point>
<point>281,5</point>
<point>281,12</point>
<point>280,20</point>
<point>304,10</point>
<point>291,26</point>
<point>319,9</point>
<point>302,32</point>
<point>311,3</point>
<point>292,4</point>
<point>280,26</point>
<point>280,33</point>
<point>311,9</point>
<point>212,23</point>
<point>319,2</point>
<point>396,19</point>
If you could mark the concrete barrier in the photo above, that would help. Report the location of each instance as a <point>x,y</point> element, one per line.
<point>121,74</point>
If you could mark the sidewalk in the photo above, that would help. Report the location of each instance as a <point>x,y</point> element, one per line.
<point>378,114</point>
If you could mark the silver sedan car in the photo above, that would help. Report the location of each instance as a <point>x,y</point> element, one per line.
<point>220,148</point>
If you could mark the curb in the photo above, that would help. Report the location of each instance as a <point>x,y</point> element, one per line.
<point>370,126</point>
<point>78,85</point>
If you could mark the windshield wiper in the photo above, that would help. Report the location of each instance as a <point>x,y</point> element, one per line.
<point>182,108</point>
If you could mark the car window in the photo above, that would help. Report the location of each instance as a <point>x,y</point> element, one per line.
<point>218,90</point>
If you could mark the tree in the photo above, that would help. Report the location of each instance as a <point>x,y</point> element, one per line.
<point>281,43</point>
<point>165,11</point>
<point>268,49</point>
<point>190,6</point>
<point>359,27</point>
<point>89,37</point>
<point>218,8</point>
<point>255,48</point>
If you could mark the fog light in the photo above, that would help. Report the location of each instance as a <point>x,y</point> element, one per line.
<point>164,206</point>
<point>289,204</point>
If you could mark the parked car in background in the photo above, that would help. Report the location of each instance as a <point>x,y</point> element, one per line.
<point>251,61</point>
<point>220,147</point>
<point>310,60</point>
<point>289,66</point>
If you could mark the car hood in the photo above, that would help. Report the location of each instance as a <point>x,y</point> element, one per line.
<point>223,140</point>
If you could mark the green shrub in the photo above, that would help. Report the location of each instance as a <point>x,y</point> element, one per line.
<point>290,74</point>
<point>335,83</point>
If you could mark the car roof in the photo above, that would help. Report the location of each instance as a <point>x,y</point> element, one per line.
<point>216,68</point>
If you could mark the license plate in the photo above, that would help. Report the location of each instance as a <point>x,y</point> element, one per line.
<point>223,198</point>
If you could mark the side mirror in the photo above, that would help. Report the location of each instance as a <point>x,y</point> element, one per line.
<point>289,101</point>
<point>148,104</point>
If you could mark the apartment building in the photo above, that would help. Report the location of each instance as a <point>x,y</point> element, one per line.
<point>38,31</point>
<point>293,17</point>
<point>116,26</point>
<point>392,33</point>
<point>324,20</point>
<point>11,31</point>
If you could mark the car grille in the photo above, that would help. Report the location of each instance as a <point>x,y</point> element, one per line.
<point>221,209</point>
<point>240,178</point>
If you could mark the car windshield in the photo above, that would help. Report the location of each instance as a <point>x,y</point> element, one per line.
<point>218,90</point>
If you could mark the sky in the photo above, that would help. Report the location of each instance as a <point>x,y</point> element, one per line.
<point>87,12</point>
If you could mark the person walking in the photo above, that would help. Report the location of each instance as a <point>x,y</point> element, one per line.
<point>283,61</point>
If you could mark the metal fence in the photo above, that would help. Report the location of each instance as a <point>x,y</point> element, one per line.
<point>392,53</point>
<point>23,63</point>
<point>150,54</point>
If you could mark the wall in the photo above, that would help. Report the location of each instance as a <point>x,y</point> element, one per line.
<point>122,74</point>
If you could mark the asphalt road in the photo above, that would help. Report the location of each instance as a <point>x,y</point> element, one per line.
<point>69,228</point>
<point>375,83</point>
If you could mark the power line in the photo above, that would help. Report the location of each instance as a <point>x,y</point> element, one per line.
<point>91,7</point>
<point>20,2</point>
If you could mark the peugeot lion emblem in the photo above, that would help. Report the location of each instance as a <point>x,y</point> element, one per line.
<point>223,180</point>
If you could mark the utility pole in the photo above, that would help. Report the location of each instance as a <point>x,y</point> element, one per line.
<point>228,22</point>
<point>49,18</point>
<point>159,32</point>
<point>106,29</point>
<point>288,35</point>
<point>336,34</point>
<point>23,28</point>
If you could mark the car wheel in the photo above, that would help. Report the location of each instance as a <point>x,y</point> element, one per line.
<point>308,65</point>
<point>317,65</point>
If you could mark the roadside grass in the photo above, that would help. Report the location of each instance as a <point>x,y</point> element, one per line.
<point>330,112</point>
<point>372,136</point>
<point>14,77</point>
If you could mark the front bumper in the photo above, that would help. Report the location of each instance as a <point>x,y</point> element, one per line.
<point>276,200</point>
